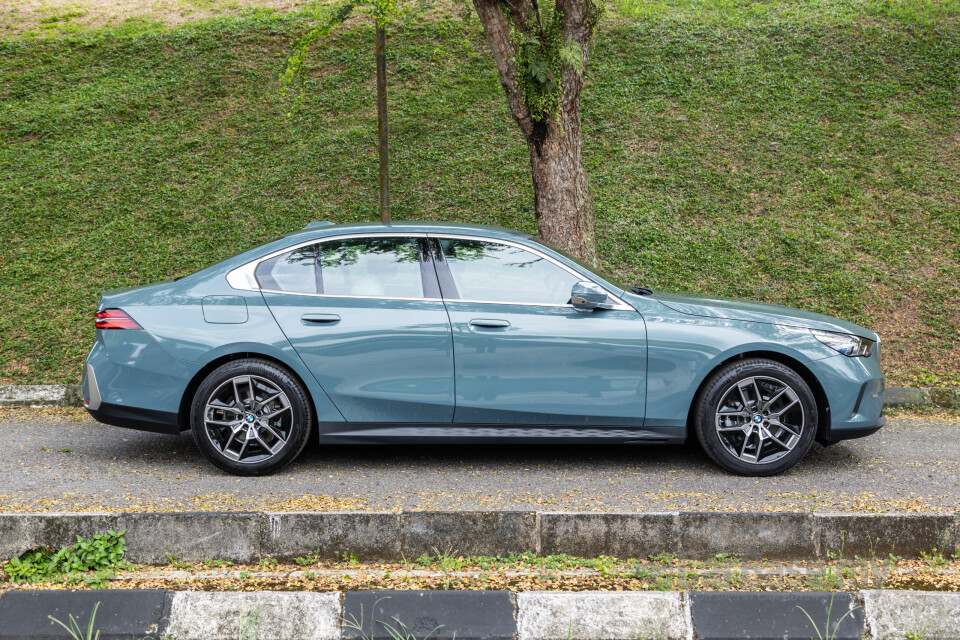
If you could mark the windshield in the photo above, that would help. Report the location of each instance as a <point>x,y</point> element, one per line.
<point>603,274</point>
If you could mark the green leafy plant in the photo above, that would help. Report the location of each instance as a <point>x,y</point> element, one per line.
<point>73,627</point>
<point>307,560</point>
<point>103,554</point>
<point>662,558</point>
<point>222,562</point>
<point>542,57</point>
<point>934,558</point>
<point>917,635</point>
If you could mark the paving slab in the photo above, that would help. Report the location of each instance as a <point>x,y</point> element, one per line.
<point>261,615</point>
<point>588,615</point>
<point>891,615</point>
<point>776,616</point>
<point>123,614</point>
<point>441,615</point>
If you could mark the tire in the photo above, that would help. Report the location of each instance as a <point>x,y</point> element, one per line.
<point>251,417</point>
<point>750,438</point>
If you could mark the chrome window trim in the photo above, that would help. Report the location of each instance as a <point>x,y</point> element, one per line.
<point>244,277</point>
<point>333,295</point>
<point>618,304</point>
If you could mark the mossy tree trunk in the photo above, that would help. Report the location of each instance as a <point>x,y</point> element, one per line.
<point>562,203</point>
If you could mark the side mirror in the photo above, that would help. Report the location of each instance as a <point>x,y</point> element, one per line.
<point>587,295</point>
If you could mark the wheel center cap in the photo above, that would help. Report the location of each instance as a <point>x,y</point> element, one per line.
<point>250,417</point>
<point>758,418</point>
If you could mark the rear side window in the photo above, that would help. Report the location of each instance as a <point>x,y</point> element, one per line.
<point>376,267</point>
<point>368,267</point>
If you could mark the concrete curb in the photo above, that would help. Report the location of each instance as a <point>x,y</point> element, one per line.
<point>69,395</point>
<point>498,615</point>
<point>395,535</point>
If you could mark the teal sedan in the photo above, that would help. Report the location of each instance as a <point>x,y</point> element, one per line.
<point>428,332</point>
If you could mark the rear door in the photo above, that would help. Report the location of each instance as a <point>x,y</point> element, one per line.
<point>365,315</point>
<point>523,354</point>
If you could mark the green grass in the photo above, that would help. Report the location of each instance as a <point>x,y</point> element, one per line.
<point>804,153</point>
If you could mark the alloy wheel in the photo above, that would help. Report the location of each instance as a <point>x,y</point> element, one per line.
<point>760,419</point>
<point>248,419</point>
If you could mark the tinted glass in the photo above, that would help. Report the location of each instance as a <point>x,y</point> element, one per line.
<point>491,272</point>
<point>292,272</point>
<point>378,267</point>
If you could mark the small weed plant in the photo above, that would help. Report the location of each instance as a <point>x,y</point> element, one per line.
<point>73,627</point>
<point>99,557</point>
<point>396,629</point>
<point>250,623</point>
<point>827,633</point>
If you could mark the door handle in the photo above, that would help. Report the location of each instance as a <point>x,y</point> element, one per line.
<point>319,318</point>
<point>489,324</point>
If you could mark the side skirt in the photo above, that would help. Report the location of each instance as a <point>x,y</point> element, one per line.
<point>358,433</point>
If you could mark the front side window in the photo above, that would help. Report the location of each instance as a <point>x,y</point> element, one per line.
<point>369,267</point>
<point>492,272</point>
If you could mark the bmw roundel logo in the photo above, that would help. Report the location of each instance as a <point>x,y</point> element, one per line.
<point>757,419</point>
<point>249,418</point>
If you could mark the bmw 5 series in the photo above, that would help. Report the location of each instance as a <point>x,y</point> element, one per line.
<point>411,332</point>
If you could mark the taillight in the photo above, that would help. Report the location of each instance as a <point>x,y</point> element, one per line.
<point>114,319</point>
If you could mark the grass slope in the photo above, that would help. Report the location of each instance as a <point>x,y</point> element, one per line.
<point>804,153</point>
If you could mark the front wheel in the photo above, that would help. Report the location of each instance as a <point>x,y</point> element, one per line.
<point>251,417</point>
<point>756,417</point>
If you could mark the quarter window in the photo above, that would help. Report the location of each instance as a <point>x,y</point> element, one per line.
<point>370,267</point>
<point>493,272</point>
<point>292,272</point>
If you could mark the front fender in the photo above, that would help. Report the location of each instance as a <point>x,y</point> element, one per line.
<point>683,350</point>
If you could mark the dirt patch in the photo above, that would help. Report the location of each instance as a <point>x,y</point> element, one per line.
<point>28,15</point>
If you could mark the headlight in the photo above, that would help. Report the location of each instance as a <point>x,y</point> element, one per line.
<point>845,343</point>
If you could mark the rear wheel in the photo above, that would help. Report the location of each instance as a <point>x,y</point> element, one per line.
<point>251,417</point>
<point>756,417</point>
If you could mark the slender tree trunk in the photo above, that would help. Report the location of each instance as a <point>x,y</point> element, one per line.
<point>561,193</point>
<point>381,54</point>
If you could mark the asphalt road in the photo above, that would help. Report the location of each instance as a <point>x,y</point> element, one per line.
<point>61,460</point>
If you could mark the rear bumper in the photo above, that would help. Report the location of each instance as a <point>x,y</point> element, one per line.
<point>130,381</point>
<point>134,418</point>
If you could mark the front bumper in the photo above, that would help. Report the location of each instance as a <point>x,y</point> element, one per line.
<point>854,389</point>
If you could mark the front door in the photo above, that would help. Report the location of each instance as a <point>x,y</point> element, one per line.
<point>523,355</point>
<point>365,315</point>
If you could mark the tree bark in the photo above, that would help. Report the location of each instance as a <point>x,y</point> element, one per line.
<point>561,193</point>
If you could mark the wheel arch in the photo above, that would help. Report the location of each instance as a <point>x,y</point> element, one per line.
<point>823,404</point>
<point>190,392</point>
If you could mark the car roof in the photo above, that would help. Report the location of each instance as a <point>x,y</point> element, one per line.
<point>328,228</point>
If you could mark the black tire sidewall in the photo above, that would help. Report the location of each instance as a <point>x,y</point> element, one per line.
<point>711,394</point>
<point>299,405</point>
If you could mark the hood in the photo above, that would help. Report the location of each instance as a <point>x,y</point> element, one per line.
<point>732,309</point>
